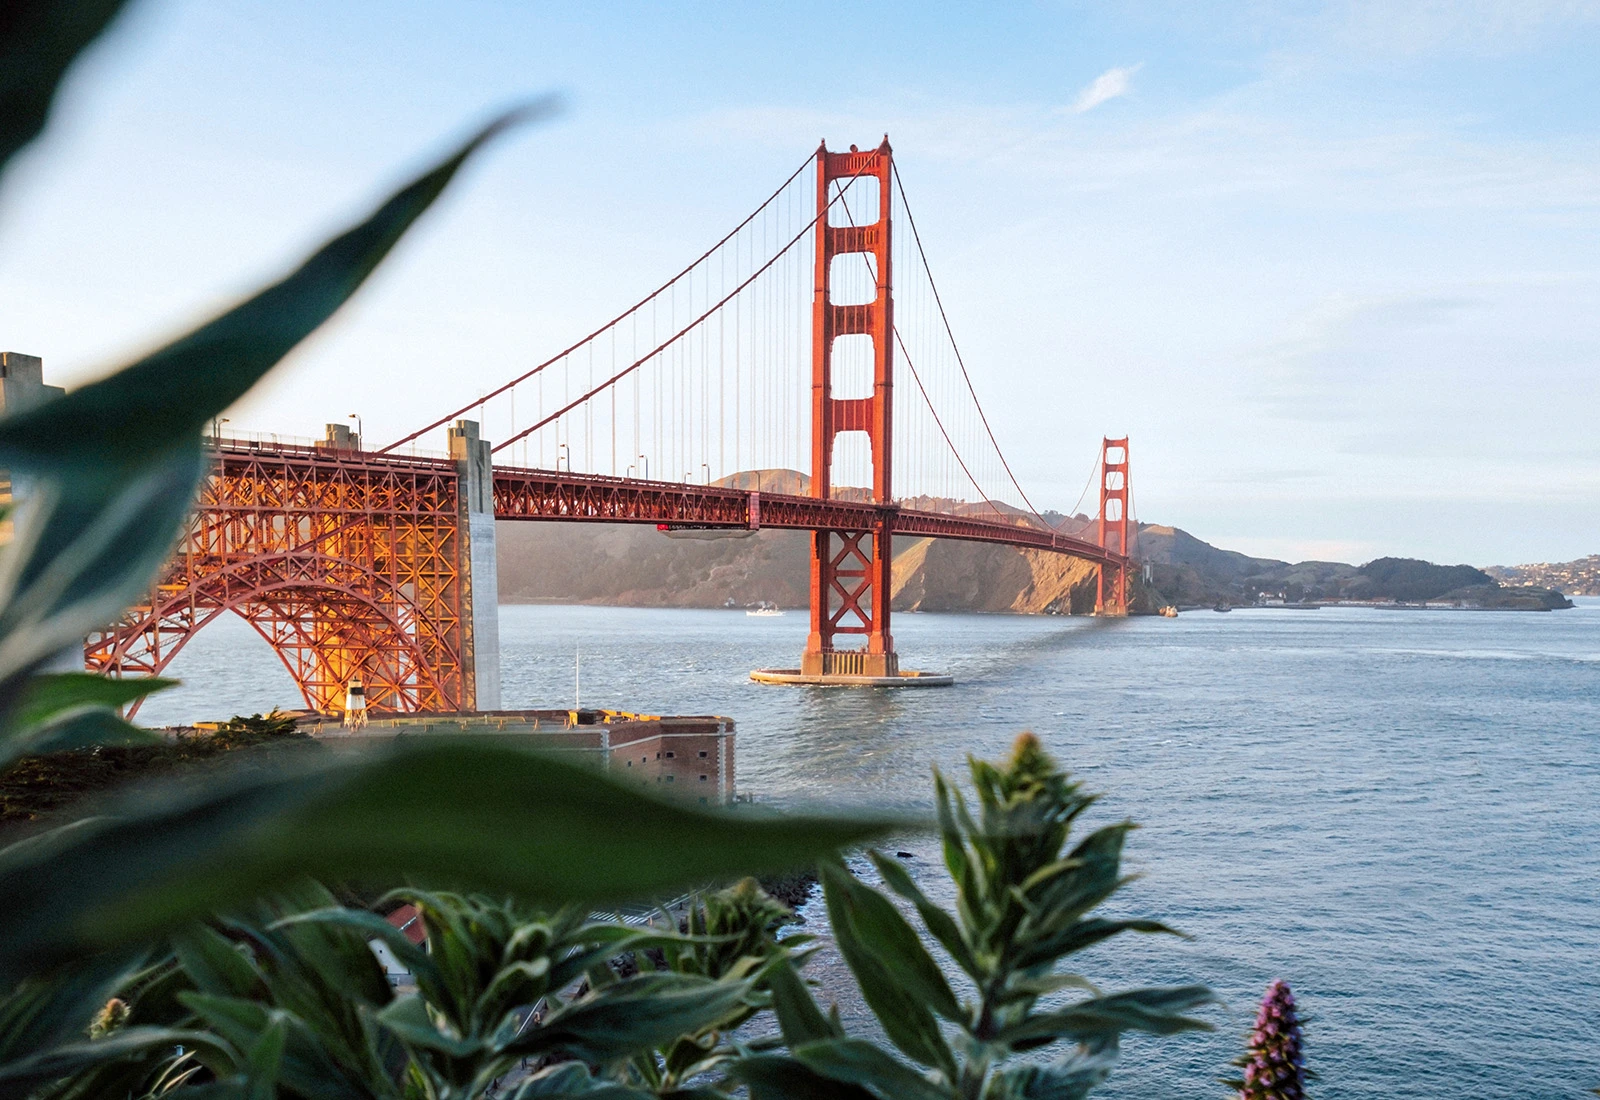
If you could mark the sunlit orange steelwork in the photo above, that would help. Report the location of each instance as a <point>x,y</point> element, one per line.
<point>348,564</point>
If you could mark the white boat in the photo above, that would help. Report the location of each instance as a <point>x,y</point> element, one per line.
<point>765,611</point>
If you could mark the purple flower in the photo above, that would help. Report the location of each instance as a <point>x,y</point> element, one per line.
<point>1274,1066</point>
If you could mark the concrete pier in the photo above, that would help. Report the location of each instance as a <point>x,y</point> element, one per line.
<point>479,574</point>
<point>836,679</point>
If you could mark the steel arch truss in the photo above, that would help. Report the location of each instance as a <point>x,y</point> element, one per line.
<point>346,564</point>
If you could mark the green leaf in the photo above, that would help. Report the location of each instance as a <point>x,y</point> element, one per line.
<point>780,1077</point>
<point>39,40</point>
<point>798,1015</point>
<point>166,398</point>
<point>610,942</point>
<point>214,964</point>
<point>49,696</point>
<point>1072,1078</point>
<point>688,1056</point>
<point>84,730</point>
<point>898,997</point>
<point>883,931</point>
<point>266,1057</point>
<point>573,1079</point>
<point>235,1020</point>
<point>18,1078</point>
<point>407,1017</point>
<point>959,862</point>
<point>1064,890</point>
<point>516,984</point>
<point>1033,988</point>
<point>373,927</point>
<point>304,1066</point>
<point>84,548</point>
<point>645,1012</point>
<point>859,1062</point>
<point>318,973</point>
<point>1157,1011</point>
<point>48,1010</point>
<point>233,1088</point>
<point>494,818</point>
<point>940,924</point>
<point>1082,934</point>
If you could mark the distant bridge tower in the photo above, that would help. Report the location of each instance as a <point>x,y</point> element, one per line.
<point>1112,597</point>
<point>850,570</point>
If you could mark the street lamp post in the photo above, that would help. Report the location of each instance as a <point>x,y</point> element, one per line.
<point>361,429</point>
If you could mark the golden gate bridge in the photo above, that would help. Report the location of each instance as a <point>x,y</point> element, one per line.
<point>812,338</point>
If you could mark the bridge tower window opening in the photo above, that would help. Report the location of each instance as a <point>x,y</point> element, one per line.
<point>857,200</point>
<point>853,280</point>
<point>852,369</point>
<point>851,465</point>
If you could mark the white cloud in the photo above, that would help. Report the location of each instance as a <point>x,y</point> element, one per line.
<point>1108,85</point>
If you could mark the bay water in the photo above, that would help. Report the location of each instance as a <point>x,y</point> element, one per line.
<point>1396,811</point>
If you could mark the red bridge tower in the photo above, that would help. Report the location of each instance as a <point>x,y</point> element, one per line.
<point>850,585</point>
<point>1114,526</point>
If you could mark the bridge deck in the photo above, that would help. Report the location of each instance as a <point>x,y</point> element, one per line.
<point>546,495</point>
<point>529,494</point>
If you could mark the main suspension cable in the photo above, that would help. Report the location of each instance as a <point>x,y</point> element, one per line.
<point>670,341</point>
<point>917,237</point>
<point>663,288</point>
<point>917,378</point>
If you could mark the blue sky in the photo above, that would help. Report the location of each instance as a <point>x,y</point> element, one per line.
<point>1335,267</point>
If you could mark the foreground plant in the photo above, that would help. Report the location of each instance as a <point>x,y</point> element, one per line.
<point>287,999</point>
<point>1274,1064</point>
<point>91,906</point>
<point>156,902</point>
<point>1023,904</point>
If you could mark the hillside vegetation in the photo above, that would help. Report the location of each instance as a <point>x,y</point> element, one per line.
<point>638,566</point>
<point>1580,577</point>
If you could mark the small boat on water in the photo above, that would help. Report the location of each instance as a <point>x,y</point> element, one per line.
<point>765,611</point>
<point>1168,612</point>
<point>1222,607</point>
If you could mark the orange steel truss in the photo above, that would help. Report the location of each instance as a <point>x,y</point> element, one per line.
<point>350,563</point>
<point>346,563</point>
<point>524,494</point>
<point>1114,525</point>
<point>850,572</point>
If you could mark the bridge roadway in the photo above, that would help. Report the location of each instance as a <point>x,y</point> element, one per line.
<point>555,495</point>
<point>533,494</point>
